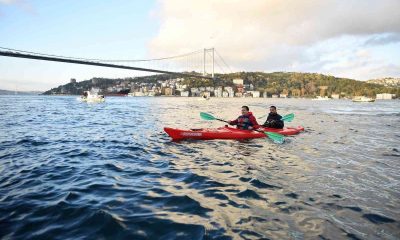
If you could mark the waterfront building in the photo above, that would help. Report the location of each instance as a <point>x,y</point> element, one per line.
<point>254,94</point>
<point>335,96</point>
<point>210,89</point>
<point>218,92</point>
<point>185,94</point>
<point>194,92</point>
<point>238,81</point>
<point>230,91</point>
<point>385,96</point>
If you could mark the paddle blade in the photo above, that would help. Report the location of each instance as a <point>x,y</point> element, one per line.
<point>276,137</point>
<point>207,116</point>
<point>288,118</point>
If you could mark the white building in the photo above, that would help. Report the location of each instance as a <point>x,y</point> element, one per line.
<point>238,81</point>
<point>254,94</point>
<point>335,96</point>
<point>230,91</point>
<point>195,91</point>
<point>210,89</point>
<point>185,94</point>
<point>218,92</point>
<point>385,96</point>
<point>110,89</point>
<point>138,94</point>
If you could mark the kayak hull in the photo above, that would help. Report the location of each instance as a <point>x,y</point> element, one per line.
<point>226,133</point>
<point>287,131</point>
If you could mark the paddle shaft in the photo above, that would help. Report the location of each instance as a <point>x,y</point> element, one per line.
<point>222,120</point>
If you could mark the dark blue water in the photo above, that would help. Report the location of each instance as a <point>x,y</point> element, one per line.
<point>72,170</point>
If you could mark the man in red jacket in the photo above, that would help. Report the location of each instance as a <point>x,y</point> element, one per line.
<point>246,121</point>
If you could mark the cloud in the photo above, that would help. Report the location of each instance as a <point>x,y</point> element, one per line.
<point>383,39</point>
<point>22,4</point>
<point>269,34</point>
<point>8,1</point>
<point>347,56</point>
<point>358,67</point>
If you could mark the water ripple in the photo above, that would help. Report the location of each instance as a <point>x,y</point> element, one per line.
<point>70,170</point>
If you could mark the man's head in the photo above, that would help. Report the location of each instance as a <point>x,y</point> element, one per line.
<point>272,109</point>
<point>245,110</point>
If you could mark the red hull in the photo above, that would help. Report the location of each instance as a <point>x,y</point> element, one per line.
<point>225,133</point>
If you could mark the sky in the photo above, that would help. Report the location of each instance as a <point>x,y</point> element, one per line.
<point>357,39</point>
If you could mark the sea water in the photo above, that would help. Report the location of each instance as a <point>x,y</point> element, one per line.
<point>73,170</point>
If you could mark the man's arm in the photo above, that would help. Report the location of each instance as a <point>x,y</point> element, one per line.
<point>253,120</point>
<point>234,122</point>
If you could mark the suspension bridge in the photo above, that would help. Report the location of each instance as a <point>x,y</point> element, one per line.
<point>202,63</point>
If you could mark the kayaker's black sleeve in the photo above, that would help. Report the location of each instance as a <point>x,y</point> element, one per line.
<point>279,123</point>
<point>265,124</point>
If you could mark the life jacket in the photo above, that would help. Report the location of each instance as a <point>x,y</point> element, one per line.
<point>244,121</point>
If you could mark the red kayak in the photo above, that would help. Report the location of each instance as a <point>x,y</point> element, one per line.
<point>226,133</point>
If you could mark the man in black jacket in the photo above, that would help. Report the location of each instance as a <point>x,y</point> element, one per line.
<point>274,120</point>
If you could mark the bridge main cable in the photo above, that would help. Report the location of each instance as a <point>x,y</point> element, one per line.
<point>66,60</point>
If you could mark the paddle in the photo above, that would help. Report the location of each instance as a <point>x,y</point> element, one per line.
<point>287,118</point>
<point>276,137</point>
<point>207,116</point>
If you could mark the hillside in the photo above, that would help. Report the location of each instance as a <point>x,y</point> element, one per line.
<point>387,82</point>
<point>290,83</point>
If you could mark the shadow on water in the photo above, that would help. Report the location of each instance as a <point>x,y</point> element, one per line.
<point>72,170</point>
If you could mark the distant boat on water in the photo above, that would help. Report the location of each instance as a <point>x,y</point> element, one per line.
<point>92,96</point>
<point>204,97</point>
<point>362,99</point>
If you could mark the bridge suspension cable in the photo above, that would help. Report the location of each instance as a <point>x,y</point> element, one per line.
<point>189,64</point>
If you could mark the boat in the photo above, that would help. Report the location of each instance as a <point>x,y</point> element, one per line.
<point>204,97</point>
<point>92,96</point>
<point>362,99</point>
<point>226,133</point>
<point>319,98</point>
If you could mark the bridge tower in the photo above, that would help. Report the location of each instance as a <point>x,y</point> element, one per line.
<point>205,52</point>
